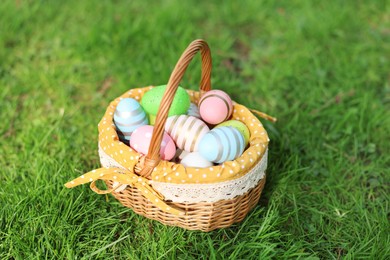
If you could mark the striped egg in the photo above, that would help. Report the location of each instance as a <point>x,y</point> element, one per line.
<point>186,131</point>
<point>222,144</point>
<point>193,110</point>
<point>128,116</point>
<point>240,126</point>
<point>215,106</point>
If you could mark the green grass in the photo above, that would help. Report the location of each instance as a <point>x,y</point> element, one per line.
<point>321,67</point>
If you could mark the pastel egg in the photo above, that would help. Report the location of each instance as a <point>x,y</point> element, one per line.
<point>195,160</point>
<point>215,106</point>
<point>193,110</point>
<point>187,131</point>
<point>240,126</point>
<point>140,141</point>
<point>128,116</point>
<point>152,99</point>
<point>222,144</point>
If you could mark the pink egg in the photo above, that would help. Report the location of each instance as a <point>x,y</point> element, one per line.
<point>215,106</point>
<point>140,141</point>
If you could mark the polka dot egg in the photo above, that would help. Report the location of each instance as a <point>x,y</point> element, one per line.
<point>128,116</point>
<point>215,106</point>
<point>140,141</point>
<point>222,144</point>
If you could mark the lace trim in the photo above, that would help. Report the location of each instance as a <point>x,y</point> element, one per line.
<point>194,193</point>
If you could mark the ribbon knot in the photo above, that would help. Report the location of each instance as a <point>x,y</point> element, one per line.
<point>124,177</point>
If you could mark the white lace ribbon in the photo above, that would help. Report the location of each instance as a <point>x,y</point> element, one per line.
<point>194,193</point>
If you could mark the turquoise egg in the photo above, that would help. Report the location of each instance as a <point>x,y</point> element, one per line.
<point>222,144</point>
<point>128,116</point>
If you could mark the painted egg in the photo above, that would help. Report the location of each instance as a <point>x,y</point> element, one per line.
<point>187,131</point>
<point>193,110</point>
<point>222,144</point>
<point>195,160</point>
<point>128,116</point>
<point>215,106</point>
<point>240,126</point>
<point>152,99</point>
<point>140,141</point>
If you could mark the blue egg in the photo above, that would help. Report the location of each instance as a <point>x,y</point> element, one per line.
<point>222,144</point>
<point>128,116</point>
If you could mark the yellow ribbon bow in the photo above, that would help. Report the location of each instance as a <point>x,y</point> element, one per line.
<point>124,177</point>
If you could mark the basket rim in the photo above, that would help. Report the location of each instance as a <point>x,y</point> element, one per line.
<point>256,146</point>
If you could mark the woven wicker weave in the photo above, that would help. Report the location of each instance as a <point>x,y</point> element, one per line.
<point>200,215</point>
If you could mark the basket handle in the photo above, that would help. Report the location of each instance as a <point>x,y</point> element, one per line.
<point>153,156</point>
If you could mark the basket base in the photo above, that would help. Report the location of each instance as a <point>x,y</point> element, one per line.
<point>204,216</point>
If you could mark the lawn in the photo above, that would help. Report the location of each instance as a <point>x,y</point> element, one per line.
<point>320,67</point>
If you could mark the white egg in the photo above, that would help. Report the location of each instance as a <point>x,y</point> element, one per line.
<point>195,160</point>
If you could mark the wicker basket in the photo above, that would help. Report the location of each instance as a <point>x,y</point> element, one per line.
<point>201,205</point>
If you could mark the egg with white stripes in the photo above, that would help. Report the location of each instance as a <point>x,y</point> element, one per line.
<point>128,116</point>
<point>222,144</point>
<point>215,106</point>
<point>186,131</point>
